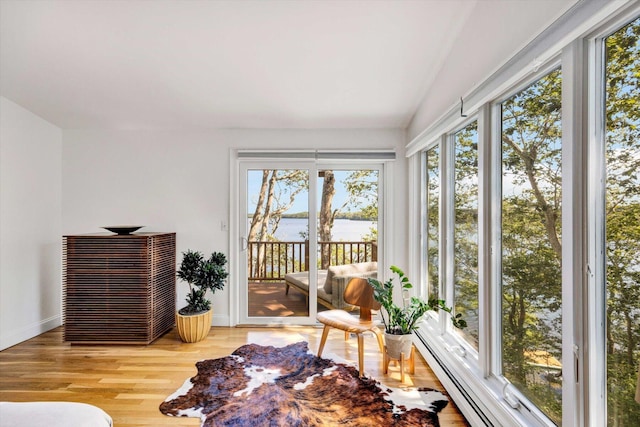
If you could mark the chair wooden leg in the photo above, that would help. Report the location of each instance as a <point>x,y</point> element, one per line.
<point>361,354</point>
<point>346,336</point>
<point>412,361</point>
<point>325,333</point>
<point>385,361</point>
<point>380,340</point>
<point>286,289</point>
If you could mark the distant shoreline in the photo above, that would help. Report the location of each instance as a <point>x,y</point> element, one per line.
<point>305,215</point>
<point>293,229</point>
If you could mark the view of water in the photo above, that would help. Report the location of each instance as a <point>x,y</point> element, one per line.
<point>343,229</point>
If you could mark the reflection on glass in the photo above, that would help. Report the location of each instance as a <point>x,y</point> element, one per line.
<point>433,221</point>
<point>531,245</point>
<point>623,224</point>
<point>466,229</point>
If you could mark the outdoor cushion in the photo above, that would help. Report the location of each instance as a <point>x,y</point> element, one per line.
<point>352,270</point>
<point>332,282</point>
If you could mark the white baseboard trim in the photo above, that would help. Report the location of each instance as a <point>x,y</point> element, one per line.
<point>16,337</point>
<point>220,320</point>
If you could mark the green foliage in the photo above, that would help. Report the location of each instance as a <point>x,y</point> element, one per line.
<point>433,219</point>
<point>465,238</point>
<point>201,275</point>
<point>362,187</point>
<point>196,302</point>
<point>623,223</point>
<point>401,320</point>
<point>531,233</point>
<point>189,267</point>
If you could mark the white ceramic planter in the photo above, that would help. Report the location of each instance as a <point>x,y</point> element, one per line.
<point>397,344</point>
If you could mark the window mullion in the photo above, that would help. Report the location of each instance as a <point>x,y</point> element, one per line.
<point>496,241</point>
<point>448,225</point>
<point>573,226</point>
<point>443,231</point>
<point>484,241</point>
<point>595,355</point>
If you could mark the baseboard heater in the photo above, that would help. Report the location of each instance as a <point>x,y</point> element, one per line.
<point>472,404</point>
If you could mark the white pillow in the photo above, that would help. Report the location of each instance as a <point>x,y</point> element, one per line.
<point>52,414</point>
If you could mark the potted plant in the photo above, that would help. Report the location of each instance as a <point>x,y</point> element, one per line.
<point>400,321</point>
<point>201,274</point>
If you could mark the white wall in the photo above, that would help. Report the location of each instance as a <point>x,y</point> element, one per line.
<point>463,71</point>
<point>179,181</point>
<point>30,224</point>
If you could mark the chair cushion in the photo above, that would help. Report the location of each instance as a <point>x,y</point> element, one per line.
<point>347,270</point>
<point>301,279</point>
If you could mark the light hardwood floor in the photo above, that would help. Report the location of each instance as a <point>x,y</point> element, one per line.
<point>129,382</point>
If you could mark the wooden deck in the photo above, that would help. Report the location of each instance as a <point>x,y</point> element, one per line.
<point>269,299</point>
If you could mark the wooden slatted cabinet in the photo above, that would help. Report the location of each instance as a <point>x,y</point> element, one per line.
<point>118,288</point>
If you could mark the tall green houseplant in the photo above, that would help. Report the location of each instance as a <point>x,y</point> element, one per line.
<point>402,320</point>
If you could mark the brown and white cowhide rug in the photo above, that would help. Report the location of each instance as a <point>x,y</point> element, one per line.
<point>289,386</point>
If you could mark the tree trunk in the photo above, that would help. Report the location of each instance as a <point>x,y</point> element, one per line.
<point>264,226</point>
<point>326,219</point>
<point>256,220</point>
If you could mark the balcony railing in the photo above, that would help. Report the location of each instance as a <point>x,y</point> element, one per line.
<point>271,261</point>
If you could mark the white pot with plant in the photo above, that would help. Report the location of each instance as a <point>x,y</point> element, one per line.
<point>401,320</point>
<point>193,321</point>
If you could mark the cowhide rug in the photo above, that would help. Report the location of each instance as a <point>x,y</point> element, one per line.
<point>289,386</point>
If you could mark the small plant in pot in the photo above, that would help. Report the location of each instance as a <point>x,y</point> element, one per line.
<point>202,275</point>
<point>401,321</point>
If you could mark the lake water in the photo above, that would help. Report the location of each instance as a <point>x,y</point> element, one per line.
<point>343,229</point>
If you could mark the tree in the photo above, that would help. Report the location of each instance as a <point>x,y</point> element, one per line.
<point>531,246</point>
<point>277,194</point>
<point>433,221</point>
<point>466,229</point>
<point>622,210</point>
<point>362,188</point>
<point>327,216</point>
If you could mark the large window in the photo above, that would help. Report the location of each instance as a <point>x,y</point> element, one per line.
<point>433,222</point>
<point>622,216</point>
<point>553,151</point>
<point>465,205</point>
<point>531,247</point>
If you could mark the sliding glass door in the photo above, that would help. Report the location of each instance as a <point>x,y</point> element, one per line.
<point>300,234</point>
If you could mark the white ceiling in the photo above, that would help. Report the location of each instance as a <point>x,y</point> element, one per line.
<point>197,64</point>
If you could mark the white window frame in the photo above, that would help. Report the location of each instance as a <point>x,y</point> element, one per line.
<point>311,160</point>
<point>462,347</point>
<point>595,368</point>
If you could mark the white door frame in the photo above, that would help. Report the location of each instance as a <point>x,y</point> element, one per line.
<point>238,313</point>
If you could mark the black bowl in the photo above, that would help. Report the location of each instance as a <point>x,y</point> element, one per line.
<point>123,229</point>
